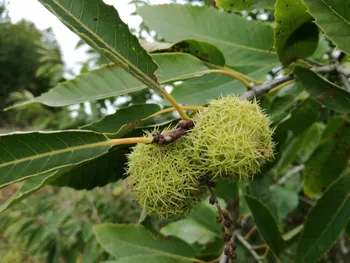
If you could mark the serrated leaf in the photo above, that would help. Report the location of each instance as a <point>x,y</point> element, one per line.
<point>121,241</point>
<point>113,81</point>
<point>296,36</point>
<point>325,222</point>
<point>101,27</point>
<point>323,91</point>
<point>200,90</point>
<point>23,155</point>
<point>266,224</point>
<point>240,5</point>
<point>243,43</point>
<point>29,187</point>
<point>329,159</point>
<point>123,120</point>
<point>333,17</point>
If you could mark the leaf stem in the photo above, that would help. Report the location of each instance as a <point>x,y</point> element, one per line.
<point>233,74</point>
<point>281,85</point>
<point>124,141</point>
<point>173,102</point>
<point>250,232</point>
<point>257,82</point>
<point>193,108</point>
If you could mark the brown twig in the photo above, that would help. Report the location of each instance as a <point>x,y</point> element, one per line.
<point>224,218</point>
<point>173,135</point>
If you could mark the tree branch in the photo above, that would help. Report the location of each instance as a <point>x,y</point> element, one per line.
<point>265,87</point>
<point>248,246</point>
<point>332,68</point>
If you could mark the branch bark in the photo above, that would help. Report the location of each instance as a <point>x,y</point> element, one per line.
<point>265,87</point>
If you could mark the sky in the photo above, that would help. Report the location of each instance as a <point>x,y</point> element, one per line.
<point>33,11</point>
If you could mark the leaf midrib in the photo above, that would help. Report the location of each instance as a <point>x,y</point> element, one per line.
<point>327,227</point>
<point>69,149</point>
<point>149,81</point>
<point>228,43</point>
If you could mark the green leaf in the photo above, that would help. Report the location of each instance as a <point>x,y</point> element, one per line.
<point>95,173</point>
<point>299,149</point>
<point>121,241</point>
<point>290,235</point>
<point>266,224</point>
<point>296,36</point>
<point>240,5</point>
<point>147,259</point>
<point>226,190</point>
<point>23,155</point>
<point>325,222</point>
<point>279,105</point>
<point>323,91</point>
<point>302,117</point>
<point>244,43</point>
<point>199,226</point>
<point>123,120</point>
<point>259,188</point>
<point>29,187</point>
<point>101,27</point>
<point>333,17</point>
<point>347,230</point>
<point>286,200</point>
<point>205,214</point>
<point>200,90</point>
<point>113,81</point>
<point>329,159</point>
<point>190,231</point>
<point>202,50</point>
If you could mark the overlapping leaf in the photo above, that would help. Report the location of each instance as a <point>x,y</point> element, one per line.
<point>266,224</point>
<point>296,36</point>
<point>202,50</point>
<point>323,91</point>
<point>29,187</point>
<point>325,222</point>
<point>329,159</point>
<point>239,5</point>
<point>228,32</point>
<point>112,81</point>
<point>200,90</point>
<point>101,27</point>
<point>97,172</point>
<point>333,17</point>
<point>27,154</point>
<point>122,241</point>
<point>116,123</point>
